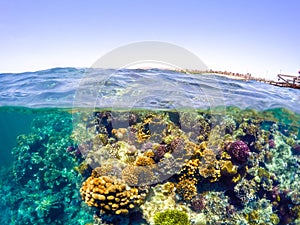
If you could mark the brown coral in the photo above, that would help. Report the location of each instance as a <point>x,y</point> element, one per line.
<point>203,163</point>
<point>109,168</point>
<point>109,194</point>
<point>100,140</point>
<point>186,188</point>
<point>190,169</point>
<point>144,161</point>
<point>209,166</point>
<point>138,175</point>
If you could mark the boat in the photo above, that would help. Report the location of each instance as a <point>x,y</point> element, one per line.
<point>288,81</point>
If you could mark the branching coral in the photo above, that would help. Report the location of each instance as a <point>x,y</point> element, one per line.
<point>186,188</point>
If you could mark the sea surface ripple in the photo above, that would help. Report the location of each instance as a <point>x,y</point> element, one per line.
<point>152,88</point>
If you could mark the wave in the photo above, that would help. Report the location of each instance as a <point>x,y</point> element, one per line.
<point>68,87</point>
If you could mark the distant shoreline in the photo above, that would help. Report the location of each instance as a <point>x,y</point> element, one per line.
<point>232,75</point>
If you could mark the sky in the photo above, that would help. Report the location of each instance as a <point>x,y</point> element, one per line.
<point>260,37</point>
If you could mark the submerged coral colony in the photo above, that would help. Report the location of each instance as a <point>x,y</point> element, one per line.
<point>157,167</point>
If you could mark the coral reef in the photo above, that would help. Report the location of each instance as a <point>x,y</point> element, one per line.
<point>186,188</point>
<point>156,167</point>
<point>161,197</point>
<point>44,183</point>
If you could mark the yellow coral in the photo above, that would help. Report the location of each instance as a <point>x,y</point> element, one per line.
<point>227,168</point>
<point>149,153</point>
<point>236,178</point>
<point>187,189</point>
<point>194,149</point>
<point>141,136</point>
<point>208,166</point>
<point>203,162</point>
<point>109,195</point>
<point>100,140</point>
<point>144,161</point>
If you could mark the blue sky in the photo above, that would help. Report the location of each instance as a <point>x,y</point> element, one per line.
<point>258,36</point>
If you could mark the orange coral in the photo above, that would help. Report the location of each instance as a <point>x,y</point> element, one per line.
<point>144,161</point>
<point>109,195</point>
<point>187,189</point>
<point>120,133</point>
<point>149,153</point>
<point>190,169</point>
<point>203,162</point>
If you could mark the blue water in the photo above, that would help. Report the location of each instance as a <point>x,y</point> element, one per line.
<point>59,87</point>
<point>47,129</point>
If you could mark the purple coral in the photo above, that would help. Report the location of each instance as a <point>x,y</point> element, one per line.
<point>198,203</point>
<point>70,149</point>
<point>74,151</point>
<point>239,151</point>
<point>296,149</point>
<point>160,152</point>
<point>272,143</point>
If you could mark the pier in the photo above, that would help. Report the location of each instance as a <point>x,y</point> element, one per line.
<point>283,80</point>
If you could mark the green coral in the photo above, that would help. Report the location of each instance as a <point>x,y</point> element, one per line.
<point>274,219</point>
<point>171,217</point>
